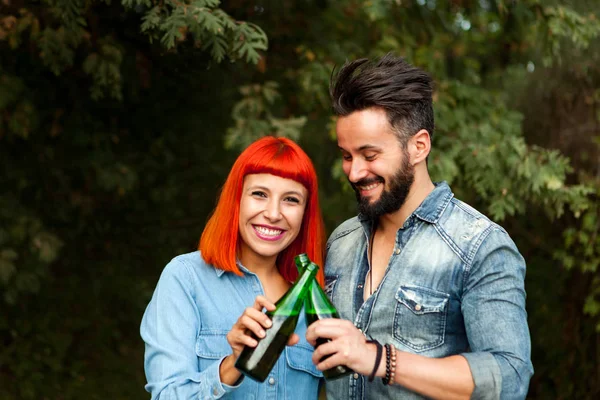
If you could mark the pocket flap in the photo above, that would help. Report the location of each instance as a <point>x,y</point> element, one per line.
<point>212,344</point>
<point>422,300</point>
<point>299,358</point>
<point>330,281</point>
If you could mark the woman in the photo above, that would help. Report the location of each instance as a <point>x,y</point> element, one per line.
<point>199,318</point>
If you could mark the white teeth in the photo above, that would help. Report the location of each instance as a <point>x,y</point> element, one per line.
<point>267,231</point>
<point>369,187</point>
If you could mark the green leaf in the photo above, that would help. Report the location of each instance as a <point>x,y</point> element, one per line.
<point>218,47</point>
<point>208,21</point>
<point>152,19</point>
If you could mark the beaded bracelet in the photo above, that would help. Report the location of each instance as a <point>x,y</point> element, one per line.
<point>390,364</point>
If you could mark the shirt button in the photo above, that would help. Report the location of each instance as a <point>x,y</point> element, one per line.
<point>418,307</point>
<point>397,251</point>
<point>271,381</point>
<point>215,391</point>
<point>360,286</point>
<point>355,376</point>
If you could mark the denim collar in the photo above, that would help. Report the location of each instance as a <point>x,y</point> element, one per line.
<point>219,271</point>
<point>430,210</point>
<point>245,270</point>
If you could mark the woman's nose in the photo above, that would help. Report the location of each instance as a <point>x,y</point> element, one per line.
<point>273,211</point>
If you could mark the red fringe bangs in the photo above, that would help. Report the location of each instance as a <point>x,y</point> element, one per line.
<point>269,155</point>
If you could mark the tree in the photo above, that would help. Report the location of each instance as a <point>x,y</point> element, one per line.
<point>98,131</point>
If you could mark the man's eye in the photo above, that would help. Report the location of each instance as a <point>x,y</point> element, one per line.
<point>347,157</point>
<point>370,157</point>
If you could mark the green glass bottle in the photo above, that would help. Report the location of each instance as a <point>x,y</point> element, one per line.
<point>257,362</point>
<point>318,306</point>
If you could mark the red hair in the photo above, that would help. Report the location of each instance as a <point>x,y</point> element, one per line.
<point>276,156</point>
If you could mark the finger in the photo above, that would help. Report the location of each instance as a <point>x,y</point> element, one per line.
<point>323,351</point>
<point>327,322</point>
<point>246,341</point>
<point>294,339</point>
<point>310,335</point>
<point>258,316</point>
<point>247,324</point>
<point>262,302</point>
<point>329,331</point>
<point>237,340</point>
<point>330,362</point>
<point>330,355</point>
<point>337,322</point>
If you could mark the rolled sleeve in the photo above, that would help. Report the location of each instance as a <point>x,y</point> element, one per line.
<point>211,384</point>
<point>486,375</point>
<point>493,306</point>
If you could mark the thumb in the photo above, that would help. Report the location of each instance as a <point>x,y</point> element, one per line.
<point>294,339</point>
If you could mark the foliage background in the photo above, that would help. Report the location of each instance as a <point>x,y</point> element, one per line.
<point>119,120</point>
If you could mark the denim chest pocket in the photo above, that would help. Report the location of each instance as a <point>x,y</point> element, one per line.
<point>420,317</point>
<point>211,346</point>
<point>299,358</point>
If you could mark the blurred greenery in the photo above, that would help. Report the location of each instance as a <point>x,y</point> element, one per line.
<point>119,121</point>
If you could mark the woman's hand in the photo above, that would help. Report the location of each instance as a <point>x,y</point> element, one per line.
<point>253,320</point>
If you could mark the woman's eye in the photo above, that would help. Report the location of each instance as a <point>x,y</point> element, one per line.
<point>292,199</point>
<point>259,193</point>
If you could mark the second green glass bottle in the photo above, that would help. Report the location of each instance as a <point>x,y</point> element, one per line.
<point>317,306</point>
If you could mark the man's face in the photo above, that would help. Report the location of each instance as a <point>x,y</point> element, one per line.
<point>374,161</point>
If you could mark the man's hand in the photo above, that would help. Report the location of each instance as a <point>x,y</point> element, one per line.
<point>348,346</point>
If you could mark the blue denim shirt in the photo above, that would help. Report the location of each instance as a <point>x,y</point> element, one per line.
<point>185,325</point>
<point>454,285</point>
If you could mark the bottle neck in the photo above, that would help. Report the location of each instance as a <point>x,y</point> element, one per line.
<point>317,303</point>
<point>291,303</point>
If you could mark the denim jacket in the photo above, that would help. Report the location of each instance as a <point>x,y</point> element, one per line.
<point>454,285</point>
<point>185,325</point>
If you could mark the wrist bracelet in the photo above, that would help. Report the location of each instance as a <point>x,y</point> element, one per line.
<point>377,358</point>
<point>390,364</point>
<point>388,361</point>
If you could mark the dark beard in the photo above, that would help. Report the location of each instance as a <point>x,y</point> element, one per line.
<point>390,200</point>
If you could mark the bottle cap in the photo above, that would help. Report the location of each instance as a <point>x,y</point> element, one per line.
<point>303,258</point>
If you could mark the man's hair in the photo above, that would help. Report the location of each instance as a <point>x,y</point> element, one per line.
<point>391,83</point>
<point>282,157</point>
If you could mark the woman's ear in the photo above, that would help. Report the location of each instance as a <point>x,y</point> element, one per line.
<point>419,147</point>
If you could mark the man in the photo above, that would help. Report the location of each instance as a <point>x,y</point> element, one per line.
<point>417,269</point>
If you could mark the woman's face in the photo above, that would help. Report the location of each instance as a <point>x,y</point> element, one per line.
<point>271,211</point>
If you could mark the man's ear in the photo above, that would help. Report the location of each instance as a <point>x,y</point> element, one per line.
<point>419,147</point>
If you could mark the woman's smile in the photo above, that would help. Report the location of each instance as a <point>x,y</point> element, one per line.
<point>268,233</point>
